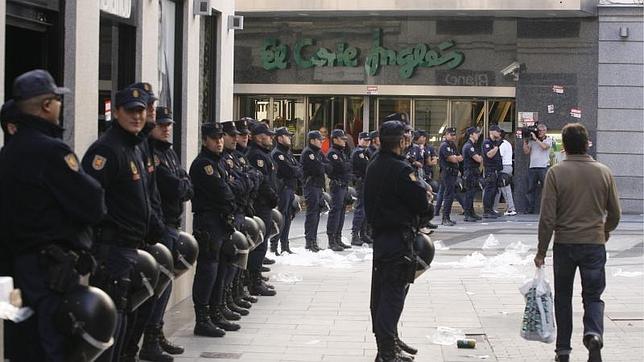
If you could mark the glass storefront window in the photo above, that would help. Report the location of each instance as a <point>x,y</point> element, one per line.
<point>290,113</point>
<point>431,116</point>
<point>465,114</point>
<point>354,123</point>
<point>387,106</point>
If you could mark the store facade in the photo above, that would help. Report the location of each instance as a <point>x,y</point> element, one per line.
<point>447,71</point>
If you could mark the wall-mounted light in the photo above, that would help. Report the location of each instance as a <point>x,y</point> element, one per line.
<point>623,32</point>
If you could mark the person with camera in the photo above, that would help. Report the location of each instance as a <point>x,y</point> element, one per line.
<point>394,200</point>
<point>505,178</point>
<point>493,164</point>
<point>538,148</point>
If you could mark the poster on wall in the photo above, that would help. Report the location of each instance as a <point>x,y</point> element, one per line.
<point>527,119</point>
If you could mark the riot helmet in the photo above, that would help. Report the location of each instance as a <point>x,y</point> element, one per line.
<point>185,253</point>
<point>424,251</point>
<point>145,277</point>
<point>163,256</point>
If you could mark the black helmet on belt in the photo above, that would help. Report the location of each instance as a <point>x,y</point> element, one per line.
<point>297,205</point>
<point>424,251</point>
<point>262,228</point>
<point>434,184</point>
<point>185,253</point>
<point>277,219</point>
<point>86,317</point>
<point>252,232</point>
<point>504,179</point>
<point>242,248</point>
<point>352,196</point>
<point>325,203</point>
<point>163,256</point>
<point>145,277</point>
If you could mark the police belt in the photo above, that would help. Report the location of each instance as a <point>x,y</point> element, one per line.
<point>116,237</point>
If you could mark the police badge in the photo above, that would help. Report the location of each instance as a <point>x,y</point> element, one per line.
<point>99,162</point>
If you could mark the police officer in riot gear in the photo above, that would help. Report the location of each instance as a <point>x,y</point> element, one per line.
<point>359,161</point>
<point>118,161</point>
<point>314,166</point>
<point>213,206</point>
<point>267,198</point>
<point>394,199</point>
<point>175,188</point>
<point>374,145</point>
<point>449,159</point>
<point>339,173</point>
<point>493,163</point>
<point>289,171</point>
<point>47,207</point>
<point>471,171</point>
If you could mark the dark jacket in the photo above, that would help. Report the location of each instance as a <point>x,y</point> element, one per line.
<point>260,159</point>
<point>314,166</point>
<point>210,182</point>
<point>289,170</point>
<point>45,197</point>
<point>359,161</point>
<point>340,171</point>
<point>173,182</point>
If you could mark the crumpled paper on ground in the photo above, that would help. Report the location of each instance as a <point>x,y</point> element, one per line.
<point>287,278</point>
<point>326,258</point>
<point>446,336</point>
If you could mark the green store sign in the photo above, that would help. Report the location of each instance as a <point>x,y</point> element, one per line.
<point>276,56</point>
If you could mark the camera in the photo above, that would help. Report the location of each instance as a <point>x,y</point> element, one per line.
<point>514,67</point>
<point>527,131</point>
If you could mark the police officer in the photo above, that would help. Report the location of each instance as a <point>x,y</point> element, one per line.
<point>289,171</point>
<point>449,159</point>
<point>47,206</point>
<point>314,166</point>
<point>422,158</point>
<point>359,161</point>
<point>339,173</point>
<point>393,200</point>
<point>118,162</point>
<point>374,145</point>
<point>259,157</point>
<point>493,164</point>
<point>175,188</point>
<point>213,206</point>
<point>471,171</point>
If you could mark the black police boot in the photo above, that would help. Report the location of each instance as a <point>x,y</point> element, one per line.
<point>432,225</point>
<point>268,261</point>
<point>594,345</point>
<point>562,358</point>
<point>355,239</point>
<point>274,248</point>
<point>258,288</point>
<point>265,269</point>
<point>316,247</point>
<point>387,352</point>
<point>489,215</point>
<point>232,305</point>
<point>469,217</point>
<point>366,238</point>
<point>245,284</point>
<point>338,241</point>
<point>284,247</point>
<point>151,349</point>
<point>204,326</point>
<point>308,245</point>
<point>227,313</point>
<point>168,346</point>
<point>474,215</point>
<point>447,222</point>
<point>238,295</point>
<point>220,321</point>
<point>332,243</point>
<point>404,346</point>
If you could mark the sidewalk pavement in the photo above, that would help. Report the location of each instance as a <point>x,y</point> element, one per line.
<point>321,311</point>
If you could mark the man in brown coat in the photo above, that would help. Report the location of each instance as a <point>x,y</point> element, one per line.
<point>580,205</point>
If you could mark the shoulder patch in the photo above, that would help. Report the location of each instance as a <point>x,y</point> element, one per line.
<point>72,162</point>
<point>135,171</point>
<point>449,149</point>
<point>260,163</point>
<point>361,155</point>
<point>209,170</point>
<point>334,156</point>
<point>99,162</point>
<point>230,163</point>
<point>412,176</point>
<point>472,149</point>
<point>281,157</point>
<point>156,160</point>
<point>242,160</point>
<point>311,156</point>
<point>487,145</point>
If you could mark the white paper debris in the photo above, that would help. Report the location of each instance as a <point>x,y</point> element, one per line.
<point>490,242</point>
<point>438,245</point>
<point>287,278</point>
<point>446,336</point>
<point>326,258</point>
<point>626,274</point>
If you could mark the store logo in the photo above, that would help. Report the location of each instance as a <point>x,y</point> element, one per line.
<point>275,55</point>
<point>120,8</point>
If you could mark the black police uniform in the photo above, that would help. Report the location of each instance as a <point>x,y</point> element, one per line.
<point>47,204</point>
<point>492,167</point>
<point>449,172</point>
<point>359,161</point>
<point>259,157</point>
<point>289,172</point>
<point>118,161</point>
<point>340,174</point>
<point>471,176</point>
<point>314,166</point>
<point>393,200</point>
<point>428,169</point>
<point>213,206</point>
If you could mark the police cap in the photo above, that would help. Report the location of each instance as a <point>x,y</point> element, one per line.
<point>164,115</point>
<point>283,131</point>
<point>35,83</point>
<point>242,125</point>
<point>495,128</point>
<point>338,133</point>
<point>212,130</point>
<point>364,136</point>
<point>374,134</point>
<point>392,129</point>
<point>130,98</point>
<point>314,135</point>
<point>229,128</point>
<point>472,130</point>
<point>147,88</point>
<point>450,130</point>
<point>261,128</point>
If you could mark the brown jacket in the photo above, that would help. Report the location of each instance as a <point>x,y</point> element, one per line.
<point>579,204</point>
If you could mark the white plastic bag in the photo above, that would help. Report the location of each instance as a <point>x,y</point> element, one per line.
<point>538,317</point>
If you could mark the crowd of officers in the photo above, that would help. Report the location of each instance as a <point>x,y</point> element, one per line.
<point>118,211</point>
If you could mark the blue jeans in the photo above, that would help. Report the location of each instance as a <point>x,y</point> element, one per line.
<point>536,176</point>
<point>591,260</point>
